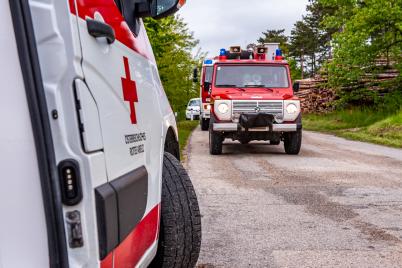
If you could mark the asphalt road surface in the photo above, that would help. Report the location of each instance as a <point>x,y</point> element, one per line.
<point>337,204</point>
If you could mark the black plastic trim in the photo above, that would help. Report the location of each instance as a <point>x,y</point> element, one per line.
<point>107,217</point>
<point>29,62</point>
<point>132,198</point>
<point>120,206</point>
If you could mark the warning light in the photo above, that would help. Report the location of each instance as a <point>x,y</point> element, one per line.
<point>278,54</point>
<point>222,54</point>
<point>208,62</point>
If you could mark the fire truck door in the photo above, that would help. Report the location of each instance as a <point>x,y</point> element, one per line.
<point>117,69</point>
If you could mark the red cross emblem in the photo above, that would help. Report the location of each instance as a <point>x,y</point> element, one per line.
<point>129,91</point>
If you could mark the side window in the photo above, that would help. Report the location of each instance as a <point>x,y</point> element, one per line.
<point>127,9</point>
<point>208,74</point>
<point>118,4</point>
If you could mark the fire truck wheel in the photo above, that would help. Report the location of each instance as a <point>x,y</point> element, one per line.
<point>245,141</point>
<point>204,124</point>
<point>180,226</point>
<point>215,142</point>
<point>292,142</point>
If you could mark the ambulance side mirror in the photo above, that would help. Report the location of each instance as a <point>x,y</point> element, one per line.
<point>164,8</point>
<point>195,75</point>
<point>134,9</point>
<point>296,87</point>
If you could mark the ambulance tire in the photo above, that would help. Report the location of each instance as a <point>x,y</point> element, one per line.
<point>215,142</point>
<point>204,124</point>
<point>292,142</point>
<point>180,226</point>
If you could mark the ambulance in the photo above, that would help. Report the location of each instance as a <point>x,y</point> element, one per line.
<point>252,98</point>
<point>89,148</point>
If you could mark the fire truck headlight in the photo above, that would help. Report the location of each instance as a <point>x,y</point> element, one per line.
<point>292,110</point>
<point>223,109</point>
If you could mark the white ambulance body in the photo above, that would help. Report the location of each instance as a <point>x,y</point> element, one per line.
<point>89,148</point>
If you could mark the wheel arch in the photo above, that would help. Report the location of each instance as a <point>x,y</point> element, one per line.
<point>172,142</point>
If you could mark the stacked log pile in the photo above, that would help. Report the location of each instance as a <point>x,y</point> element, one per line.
<point>314,96</point>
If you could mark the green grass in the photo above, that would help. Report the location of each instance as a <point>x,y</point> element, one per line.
<point>185,128</point>
<point>363,125</point>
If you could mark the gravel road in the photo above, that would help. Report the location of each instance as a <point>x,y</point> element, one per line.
<point>337,204</point>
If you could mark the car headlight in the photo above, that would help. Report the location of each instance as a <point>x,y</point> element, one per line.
<point>292,110</point>
<point>223,109</point>
<point>208,107</point>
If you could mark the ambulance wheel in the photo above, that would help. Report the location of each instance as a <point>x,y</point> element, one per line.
<point>215,142</point>
<point>204,124</point>
<point>292,142</point>
<point>180,226</point>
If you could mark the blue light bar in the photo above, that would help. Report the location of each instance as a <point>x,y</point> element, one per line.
<point>278,52</point>
<point>208,62</point>
<point>222,52</point>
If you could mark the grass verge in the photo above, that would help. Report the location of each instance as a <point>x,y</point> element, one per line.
<point>362,125</point>
<point>185,128</point>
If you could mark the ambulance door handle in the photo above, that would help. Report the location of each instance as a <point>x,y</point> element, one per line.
<point>100,29</point>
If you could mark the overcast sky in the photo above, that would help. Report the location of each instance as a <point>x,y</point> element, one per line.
<point>223,23</point>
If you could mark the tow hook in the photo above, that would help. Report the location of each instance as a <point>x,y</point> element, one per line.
<point>75,238</point>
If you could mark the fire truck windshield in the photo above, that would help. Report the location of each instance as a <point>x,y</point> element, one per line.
<point>252,76</point>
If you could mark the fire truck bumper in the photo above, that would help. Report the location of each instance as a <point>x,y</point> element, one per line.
<point>234,127</point>
<point>206,114</point>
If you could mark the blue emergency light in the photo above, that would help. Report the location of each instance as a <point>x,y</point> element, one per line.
<point>278,52</point>
<point>208,62</point>
<point>222,52</point>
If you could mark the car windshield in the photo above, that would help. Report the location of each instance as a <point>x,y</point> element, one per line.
<point>244,76</point>
<point>194,103</point>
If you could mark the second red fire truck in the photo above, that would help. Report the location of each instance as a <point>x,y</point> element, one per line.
<point>251,98</point>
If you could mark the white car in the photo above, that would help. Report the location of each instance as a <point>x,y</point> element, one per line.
<point>193,109</point>
<point>89,147</point>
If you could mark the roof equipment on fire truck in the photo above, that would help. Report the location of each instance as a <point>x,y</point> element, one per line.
<point>261,52</point>
<point>235,50</point>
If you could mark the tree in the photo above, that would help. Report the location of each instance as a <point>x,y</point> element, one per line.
<point>369,30</point>
<point>275,36</point>
<point>172,44</point>
<point>310,40</point>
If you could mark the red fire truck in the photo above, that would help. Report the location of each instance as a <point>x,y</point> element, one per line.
<point>206,79</point>
<point>252,99</point>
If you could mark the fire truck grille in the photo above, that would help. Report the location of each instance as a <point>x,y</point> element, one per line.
<point>270,107</point>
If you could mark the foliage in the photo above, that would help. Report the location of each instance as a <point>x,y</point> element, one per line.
<point>369,30</point>
<point>309,40</point>
<point>185,128</point>
<point>364,124</point>
<point>172,44</point>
